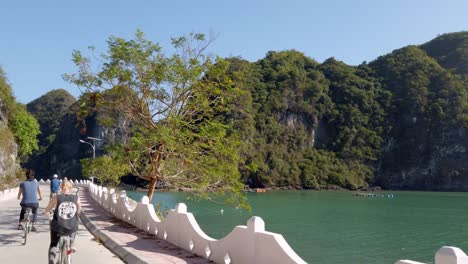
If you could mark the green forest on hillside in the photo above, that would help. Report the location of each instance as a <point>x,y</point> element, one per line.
<point>18,134</point>
<point>400,121</point>
<point>22,124</point>
<point>324,125</point>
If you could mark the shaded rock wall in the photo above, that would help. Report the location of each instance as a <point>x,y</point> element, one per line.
<point>8,148</point>
<point>64,154</point>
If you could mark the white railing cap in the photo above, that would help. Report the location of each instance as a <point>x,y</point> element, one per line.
<point>256,224</point>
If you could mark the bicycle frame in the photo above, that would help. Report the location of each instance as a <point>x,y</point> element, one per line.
<point>64,250</point>
<point>26,223</point>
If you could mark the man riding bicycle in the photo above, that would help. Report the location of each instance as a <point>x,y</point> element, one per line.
<point>65,219</point>
<point>54,186</point>
<point>31,193</point>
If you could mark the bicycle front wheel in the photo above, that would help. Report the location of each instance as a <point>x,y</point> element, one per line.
<point>65,257</point>
<point>62,253</point>
<point>26,229</point>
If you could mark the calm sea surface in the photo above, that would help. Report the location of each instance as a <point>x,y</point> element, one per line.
<point>336,227</point>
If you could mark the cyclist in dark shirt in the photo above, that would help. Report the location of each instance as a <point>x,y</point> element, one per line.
<point>31,193</point>
<point>65,220</point>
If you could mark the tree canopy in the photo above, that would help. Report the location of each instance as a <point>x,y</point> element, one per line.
<point>172,103</point>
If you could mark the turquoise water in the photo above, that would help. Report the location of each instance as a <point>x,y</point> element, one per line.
<point>336,227</point>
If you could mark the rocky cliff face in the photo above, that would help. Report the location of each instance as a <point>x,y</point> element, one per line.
<point>426,146</point>
<point>8,152</point>
<point>2,115</point>
<point>64,154</point>
<point>8,148</point>
<point>451,161</point>
<point>438,166</point>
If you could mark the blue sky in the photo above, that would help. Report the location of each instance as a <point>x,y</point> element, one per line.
<point>38,37</point>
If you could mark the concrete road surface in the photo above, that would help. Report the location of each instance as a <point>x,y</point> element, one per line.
<point>12,249</point>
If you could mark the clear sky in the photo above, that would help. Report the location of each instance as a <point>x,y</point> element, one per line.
<point>38,37</point>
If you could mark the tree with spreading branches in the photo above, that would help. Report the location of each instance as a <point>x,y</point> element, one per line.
<point>174,105</point>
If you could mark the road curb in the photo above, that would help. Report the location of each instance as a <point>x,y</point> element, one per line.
<point>114,247</point>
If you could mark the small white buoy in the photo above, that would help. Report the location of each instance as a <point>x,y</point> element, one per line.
<point>221,211</point>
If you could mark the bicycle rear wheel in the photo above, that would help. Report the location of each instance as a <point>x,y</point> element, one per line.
<point>26,224</point>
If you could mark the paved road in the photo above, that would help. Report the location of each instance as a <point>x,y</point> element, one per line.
<point>12,249</point>
<point>133,245</point>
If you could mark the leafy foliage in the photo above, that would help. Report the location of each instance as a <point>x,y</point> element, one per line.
<point>358,113</point>
<point>8,101</point>
<point>291,97</point>
<point>25,129</point>
<point>288,95</point>
<point>450,51</point>
<point>321,168</point>
<point>172,103</point>
<point>107,169</point>
<point>22,124</point>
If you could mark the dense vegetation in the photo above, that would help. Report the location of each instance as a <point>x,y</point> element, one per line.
<point>172,104</point>
<point>22,124</point>
<point>309,125</point>
<point>429,105</point>
<point>400,121</point>
<point>49,110</point>
<point>393,122</point>
<point>18,134</point>
<point>450,51</point>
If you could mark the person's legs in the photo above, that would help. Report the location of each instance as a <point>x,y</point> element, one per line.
<point>34,207</point>
<point>54,239</point>
<point>34,211</point>
<point>23,211</point>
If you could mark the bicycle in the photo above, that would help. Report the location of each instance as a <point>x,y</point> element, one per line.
<point>26,223</point>
<point>64,245</point>
<point>64,250</point>
<point>62,253</point>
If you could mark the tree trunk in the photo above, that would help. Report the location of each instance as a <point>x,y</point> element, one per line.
<point>151,187</point>
<point>155,176</point>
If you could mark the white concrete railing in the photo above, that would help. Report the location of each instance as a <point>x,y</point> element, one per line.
<point>445,255</point>
<point>8,194</point>
<point>13,192</point>
<point>82,182</point>
<point>245,244</point>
